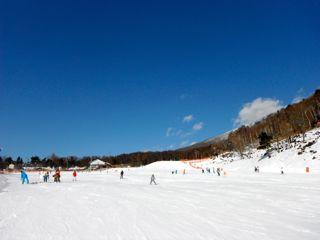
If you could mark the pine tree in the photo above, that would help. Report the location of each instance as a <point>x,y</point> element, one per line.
<point>264,140</point>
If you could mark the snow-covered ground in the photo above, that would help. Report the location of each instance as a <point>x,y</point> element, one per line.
<point>240,205</point>
<point>190,206</point>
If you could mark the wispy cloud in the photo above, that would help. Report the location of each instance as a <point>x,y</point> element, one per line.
<point>187,118</point>
<point>256,110</point>
<point>179,132</point>
<point>186,134</point>
<point>169,132</point>
<point>184,143</point>
<point>198,126</point>
<point>300,95</point>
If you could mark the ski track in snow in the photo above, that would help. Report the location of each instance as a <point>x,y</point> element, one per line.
<point>191,206</point>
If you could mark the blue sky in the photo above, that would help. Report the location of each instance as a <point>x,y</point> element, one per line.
<point>107,77</point>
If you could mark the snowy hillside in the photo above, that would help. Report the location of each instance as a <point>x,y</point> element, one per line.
<point>292,157</point>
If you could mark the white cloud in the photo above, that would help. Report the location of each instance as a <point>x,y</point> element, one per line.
<point>184,143</point>
<point>256,110</point>
<point>197,126</point>
<point>299,96</point>
<point>188,118</point>
<point>169,132</point>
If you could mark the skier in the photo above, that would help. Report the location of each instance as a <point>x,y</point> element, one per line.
<point>24,177</point>
<point>121,174</point>
<point>46,177</point>
<point>153,180</point>
<point>57,176</point>
<point>218,171</point>
<point>282,172</point>
<point>74,174</point>
<point>213,171</point>
<point>202,170</point>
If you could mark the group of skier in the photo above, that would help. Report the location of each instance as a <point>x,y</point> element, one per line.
<point>45,177</point>
<point>174,172</point>
<point>208,170</point>
<point>57,175</point>
<point>219,171</point>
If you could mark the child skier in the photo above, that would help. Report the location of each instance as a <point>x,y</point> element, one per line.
<point>46,177</point>
<point>74,174</point>
<point>24,177</point>
<point>153,180</point>
<point>57,176</point>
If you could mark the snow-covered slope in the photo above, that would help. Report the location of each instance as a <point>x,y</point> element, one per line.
<point>291,157</point>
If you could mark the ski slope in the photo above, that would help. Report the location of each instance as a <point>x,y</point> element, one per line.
<point>190,206</point>
<point>240,205</point>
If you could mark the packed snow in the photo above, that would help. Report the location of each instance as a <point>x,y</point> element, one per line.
<point>240,204</point>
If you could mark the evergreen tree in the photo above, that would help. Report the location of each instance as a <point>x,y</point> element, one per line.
<point>264,140</point>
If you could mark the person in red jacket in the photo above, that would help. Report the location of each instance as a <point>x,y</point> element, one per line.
<point>74,174</point>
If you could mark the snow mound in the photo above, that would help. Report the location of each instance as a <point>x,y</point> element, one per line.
<point>168,166</point>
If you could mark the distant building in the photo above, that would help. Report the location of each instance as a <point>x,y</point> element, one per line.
<point>96,164</point>
<point>11,166</point>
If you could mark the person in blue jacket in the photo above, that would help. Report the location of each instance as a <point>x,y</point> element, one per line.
<point>24,177</point>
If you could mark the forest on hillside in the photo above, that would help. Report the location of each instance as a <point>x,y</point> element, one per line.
<point>285,123</point>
